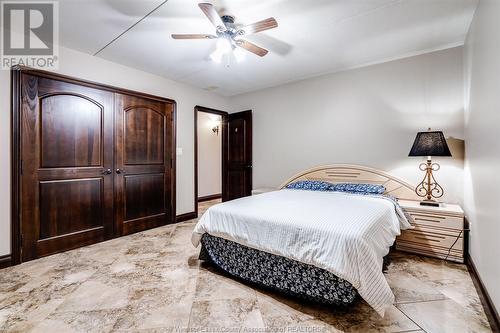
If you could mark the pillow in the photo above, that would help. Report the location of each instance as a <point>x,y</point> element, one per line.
<point>358,188</point>
<point>311,185</point>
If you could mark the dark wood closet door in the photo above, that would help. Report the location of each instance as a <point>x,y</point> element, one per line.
<point>143,165</point>
<point>238,154</point>
<point>66,161</point>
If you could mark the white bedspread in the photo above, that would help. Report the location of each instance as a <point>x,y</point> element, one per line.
<point>345,234</point>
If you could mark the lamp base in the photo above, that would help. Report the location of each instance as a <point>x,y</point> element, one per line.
<point>431,203</point>
<point>429,187</point>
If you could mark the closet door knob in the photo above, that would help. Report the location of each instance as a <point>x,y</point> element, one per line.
<point>106,172</point>
<point>118,171</point>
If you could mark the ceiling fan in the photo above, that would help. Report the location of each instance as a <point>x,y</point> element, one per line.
<point>227,33</point>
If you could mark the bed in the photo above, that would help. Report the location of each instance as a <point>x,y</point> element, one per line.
<point>324,246</point>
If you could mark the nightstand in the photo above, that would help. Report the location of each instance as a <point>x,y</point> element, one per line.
<point>438,231</point>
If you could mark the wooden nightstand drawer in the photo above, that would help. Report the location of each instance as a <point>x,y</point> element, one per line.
<point>454,255</point>
<point>437,220</point>
<point>438,238</point>
<point>437,231</point>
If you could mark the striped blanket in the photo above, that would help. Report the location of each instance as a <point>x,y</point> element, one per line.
<point>342,233</point>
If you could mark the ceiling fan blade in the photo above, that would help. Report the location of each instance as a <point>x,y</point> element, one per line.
<point>209,10</point>
<point>193,36</point>
<point>263,25</point>
<point>251,47</point>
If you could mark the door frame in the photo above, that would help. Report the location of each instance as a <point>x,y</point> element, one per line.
<point>16,126</point>
<point>223,133</point>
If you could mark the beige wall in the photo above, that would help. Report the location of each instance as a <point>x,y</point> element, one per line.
<point>482,133</point>
<point>93,68</point>
<point>209,155</point>
<point>366,116</point>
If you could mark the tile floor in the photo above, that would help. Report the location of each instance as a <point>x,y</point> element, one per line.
<point>153,282</point>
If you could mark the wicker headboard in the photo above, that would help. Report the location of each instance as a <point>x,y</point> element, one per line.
<point>346,173</point>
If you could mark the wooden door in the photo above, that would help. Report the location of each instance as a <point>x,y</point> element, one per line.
<point>238,154</point>
<point>66,163</point>
<point>143,163</point>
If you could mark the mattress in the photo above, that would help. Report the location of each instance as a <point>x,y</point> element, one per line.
<point>345,234</point>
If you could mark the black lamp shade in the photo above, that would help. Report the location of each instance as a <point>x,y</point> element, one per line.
<point>431,143</point>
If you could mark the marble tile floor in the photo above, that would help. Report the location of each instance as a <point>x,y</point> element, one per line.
<point>153,282</point>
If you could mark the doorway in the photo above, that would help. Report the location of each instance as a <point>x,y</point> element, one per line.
<point>222,139</point>
<point>209,129</point>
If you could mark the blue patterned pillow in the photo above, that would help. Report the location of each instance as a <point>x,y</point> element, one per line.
<point>358,188</point>
<point>311,185</point>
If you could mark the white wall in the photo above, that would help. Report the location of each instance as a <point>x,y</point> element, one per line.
<point>5,163</point>
<point>84,66</point>
<point>209,155</point>
<point>366,116</point>
<point>482,133</point>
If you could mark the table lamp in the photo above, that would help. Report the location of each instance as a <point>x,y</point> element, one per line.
<point>430,143</point>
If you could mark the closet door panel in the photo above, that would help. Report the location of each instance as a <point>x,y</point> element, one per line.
<point>143,166</point>
<point>144,136</point>
<point>71,132</point>
<point>56,197</point>
<point>67,146</point>
<point>144,196</point>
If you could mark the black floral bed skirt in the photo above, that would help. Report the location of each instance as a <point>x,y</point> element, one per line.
<point>278,273</point>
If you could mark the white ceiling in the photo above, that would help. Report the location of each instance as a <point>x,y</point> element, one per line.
<point>313,36</point>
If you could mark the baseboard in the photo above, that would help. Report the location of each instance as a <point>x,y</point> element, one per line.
<point>5,261</point>
<point>185,217</point>
<point>210,197</point>
<point>489,308</point>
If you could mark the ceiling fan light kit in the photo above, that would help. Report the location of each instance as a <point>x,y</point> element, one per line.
<point>228,34</point>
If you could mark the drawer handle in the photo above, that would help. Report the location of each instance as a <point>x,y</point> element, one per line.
<point>426,220</point>
<point>430,236</point>
<point>429,216</point>
<point>422,233</point>
<point>428,239</point>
